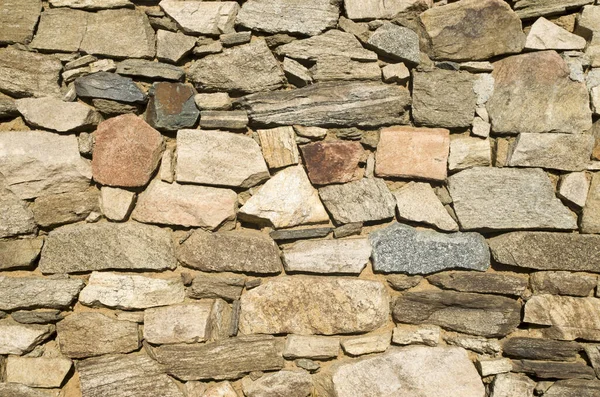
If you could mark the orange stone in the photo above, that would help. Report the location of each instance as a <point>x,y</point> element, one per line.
<point>332,162</point>
<point>409,152</point>
<point>126,152</point>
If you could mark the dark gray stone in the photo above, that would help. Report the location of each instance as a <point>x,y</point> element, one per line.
<point>299,234</point>
<point>171,106</point>
<point>540,349</point>
<point>105,85</point>
<point>574,387</point>
<point>553,369</point>
<point>485,283</point>
<point>396,42</point>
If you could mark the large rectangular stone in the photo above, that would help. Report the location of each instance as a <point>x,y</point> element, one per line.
<point>38,292</point>
<point>25,74</point>
<point>18,19</point>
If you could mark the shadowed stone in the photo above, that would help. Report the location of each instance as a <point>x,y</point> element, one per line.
<point>19,253</point>
<point>541,349</point>
<point>527,9</point>
<point>485,283</point>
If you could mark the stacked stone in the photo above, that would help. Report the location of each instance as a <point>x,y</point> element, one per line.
<point>299,198</point>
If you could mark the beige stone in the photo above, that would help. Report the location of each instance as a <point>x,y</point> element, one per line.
<point>221,389</point>
<point>184,323</point>
<point>18,19</point>
<point>91,4</point>
<point>19,339</point>
<point>564,152</point>
<point>590,221</point>
<point>545,35</point>
<point>116,203</point>
<point>311,346</point>
<point>42,372</point>
<point>418,202</point>
<point>367,344</point>
<point>25,74</point>
<point>171,47</point>
<point>34,292</point>
<point>574,188</point>
<point>493,366</point>
<point>466,152</point>
<point>376,9</point>
<point>348,256</point>
<point>213,101</point>
<point>279,146</point>
<point>211,18</point>
<point>284,383</point>
<point>406,334</point>
<point>512,385</point>
<point>15,216</point>
<point>18,253</point>
<point>69,207</point>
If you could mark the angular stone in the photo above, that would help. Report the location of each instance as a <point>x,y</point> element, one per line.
<point>330,104</point>
<point>227,288</point>
<point>124,374</point>
<point>512,385</point>
<point>553,370</point>
<point>403,249</point>
<point>343,68</point>
<point>37,163</point>
<point>481,128</point>
<point>54,114</point>
<point>43,316</point>
<point>401,282</point>
<point>91,4</point>
<point>467,152</point>
<point>15,216</point>
<point>227,359</point>
<point>562,283</point>
<point>61,208</point>
<point>171,47</point>
<point>564,152</point>
<point>590,219</point>
<point>205,46</point>
<point>279,146</point>
<point>416,334</point>
<point>116,203</point>
<point>236,38</point>
<point>396,42</point>
<point>367,344</point>
<point>504,199</point>
<point>592,351</point>
<point>314,347</point>
<point>474,343</point>
<point>211,18</point>
<point>331,44</point>
<point>433,372</point>
<point>542,96</point>
<point>101,246</point>
<point>246,68</point>
<point>42,372</point>
<point>494,366</point>
<point>281,384</point>
<point>60,29</point>
<point>38,292</point>
<point>185,323</point>
<point>300,233</point>
<point>103,65</point>
<point>126,291</point>
<point>20,253</point>
<point>545,35</point>
<point>574,188</point>
<point>485,283</point>
<point>472,30</point>
<point>368,199</point>
<point>18,19</point>
<point>219,158</point>
<point>417,202</point>
<point>333,161</point>
<point>540,349</point>
<point>296,73</point>
<point>547,251</point>
<point>25,74</point>
<point>110,86</point>
<point>474,314</point>
<point>349,256</point>
<point>375,9</point>
<point>19,339</point>
<point>229,120</point>
<point>527,9</point>
<point>287,199</point>
<point>236,251</point>
<point>113,108</point>
<point>82,335</point>
<point>443,98</point>
<point>303,305</point>
<point>213,101</point>
<point>150,70</point>
<point>574,387</point>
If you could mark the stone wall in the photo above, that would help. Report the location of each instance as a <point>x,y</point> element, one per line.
<point>294,198</point>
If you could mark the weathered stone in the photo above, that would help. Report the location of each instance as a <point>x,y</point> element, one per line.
<point>18,19</point>
<point>477,344</point>
<point>545,35</point>
<point>228,120</point>
<point>237,251</point>
<point>401,282</point>
<point>116,203</point>
<point>540,349</point>
<point>396,42</point>
<point>15,216</point>
<point>348,229</point>
<point>592,351</point>
<point>368,199</point>
<point>219,158</point>
<point>296,73</point>
<point>374,9</point>
<point>471,30</point>
<point>330,104</point>
<point>37,163</point>
<point>432,372</point>
<point>8,107</point>
<point>553,370</point>
<point>331,44</point>
<point>235,38</point>
<point>563,283</point>
<point>467,152</point>
<point>315,347</point>
<point>443,98</point>
<point>547,251</point>
<point>417,202</point>
<point>61,29</point>
<point>474,314</point>
<point>83,335</point>
<point>574,188</point>
<point>150,70</point>
<point>219,389</point>
<point>228,288</point>
<point>287,199</point>
<point>54,114</point>
<point>315,133</point>
<point>19,339</point>
<point>61,208</point>
<point>494,366</point>
<point>564,152</point>
<point>416,334</point>
<point>171,47</point>
<point>37,371</point>
<point>527,9</point>
<point>367,344</point>
<point>349,256</point>
<point>332,162</point>
<point>38,292</point>
<point>246,68</point>
<point>110,86</point>
<point>281,384</point>
<point>42,316</point>
<point>481,128</point>
<point>542,96</point>
<point>205,46</point>
<point>212,18</point>
<point>185,323</point>
<point>103,65</point>
<point>504,199</point>
<point>126,291</point>
<point>395,73</point>
<point>303,305</point>
<point>114,108</point>
<point>590,220</point>
<point>574,387</point>
<point>213,101</point>
<point>101,246</point>
<point>512,385</point>
<point>20,253</point>
<point>403,249</point>
<point>25,74</point>
<point>485,283</point>
<point>279,146</point>
<point>300,233</point>
<point>129,374</point>
<point>91,4</point>
<point>227,359</point>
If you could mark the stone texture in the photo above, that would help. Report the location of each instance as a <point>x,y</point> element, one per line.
<point>401,282</point>
<point>172,47</point>
<point>185,205</point>
<point>562,283</point>
<point>333,161</point>
<point>37,371</point>
<point>303,305</point>
<point>504,199</point>
<point>471,30</point>
<point>590,220</point>
<point>126,291</point>
<point>574,188</point>
<point>289,16</point>
<point>403,249</point>
<point>279,146</point>
<point>547,251</point>
<point>367,344</point>
<point>20,253</point>
<point>15,216</point>
<point>564,152</point>
<point>237,251</point>
<point>38,292</point>
<point>487,367</point>
<point>512,385</point>
<point>474,314</point>
<point>227,288</point>
<point>540,349</point>
<point>58,209</point>
<point>485,283</point>
<point>116,203</point>
<point>574,387</point>
<point>467,152</point>
<point>186,323</point>
<point>367,199</point>
<point>311,346</point>
<point>474,343</point>
<point>227,359</point>
<point>246,68</point>
<point>296,73</point>
<point>42,316</point>
<point>396,42</point>
<point>545,35</point>
<point>553,370</point>
<point>213,101</point>
<point>150,70</point>
<point>533,93</point>
<point>287,199</point>
<point>432,372</point>
<point>91,4</point>
<point>54,114</point>
<point>416,334</point>
<point>229,120</point>
<point>82,335</point>
<point>126,151</point>
<point>37,163</point>
<point>19,339</point>
<point>25,74</point>
<point>219,158</point>
<point>281,384</point>
<point>375,9</point>
<point>330,104</point>
<point>18,19</point>
<point>101,246</point>
<point>110,86</point>
<point>171,106</point>
<point>300,233</point>
<point>348,256</point>
<point>417,202</point>
<point>527,9</point>
<point>210,18</point>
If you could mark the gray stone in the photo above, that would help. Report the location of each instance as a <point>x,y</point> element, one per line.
<point>367,344</point>
<point>38,292</point>
<point>210,18</point>
<point>15,216</point>
<point>545,35</point>
<point>296,73</point>
<point>485,283</point>
<point>540,349</point>
<point>150,70</point>
<point>418,202</point>
<point>171,106</point>
<point>42,372</point>
<point>205,46</point>
<point>375,9</point>
<point>574,387</point>
<point>416,334</point>
<point>91,4</point>
<point>42,316</point>
<point>20,253</point>
<point>114,108</point>
<point>332,43</point>
<point>404,249</point>
<point>228,120</point>
<point>60,29</point>
<point>227,288</point>
<point>54,114</point>
<point>18,19</point>
<point>19,339</point>
<point>57,209</point>
<point>553,370</point>
<point>110,86</point>
<point>563,152</point>
<point>281,384</point>
<point>562,283</point>
<point>396,42</point>
<point>25,74</point>
<point>504,199</point>
<point>527,9</point>
<point>300,233</point>
<point>172,47</point>
<point>590,220</point>
<point>8,107</point>
<point>348,256</point>
<point>349,229</point>
<point>574,188</point>
<point>102,246</point>
<point>236,38</point>
<point>311,346</point>
<point>512,385</point>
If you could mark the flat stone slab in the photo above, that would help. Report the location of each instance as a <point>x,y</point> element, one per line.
<point>54,114</point>
<point>347,256</point>
<point>19,339</point>
<point>311,346</point>
<point>111,86</point>
<point>508,385</point>
<point>19,253</point>
<point>563,283</point>
<point>43,372</point>
<point>209,18</point>
<point>38,292</point>
<point>291,383</point>
<point>171,46</point>
<point>375,9</point>
<point>417,202</point>
<point>574,387</point>
<point>303,305</point>
<point>150,70</point>
<point>546,35</point>
<point>26,74</point>
<point>563,152</point>
<point>403,249</point>
<point>185,323</point>
<point>278,146</point>
<point>541,349</point>
<point>69,207</point>
<point>367,344</point>
<point>396,42</point>
<point>91,4</point>
<point>500,283</point>
<point>18,19</point>
<point>590,220</point>
<point>527,9</point>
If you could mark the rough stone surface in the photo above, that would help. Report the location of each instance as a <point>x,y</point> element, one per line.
<point>15,217</point>
<point>171,106</point>
<point>229,120</point>
<point>467,152</point>
<point>211,18</point>
<point>574,188</point>
<point>42,316</point>
<point>38,292</point>
<point>300,233</point>
<point>279,146</point>
<point>213,101</point>
<point>19,339</point>
<point>545,35</point>
<point>367,344</point>
<point>116,203</point>
<point>300,304</point>
<point>375,9</point>
<point>487,367</point>
<point>562,283</point>
<point>91,4</point>
<point>54,114</point>
<point>172,47</point>
<point>590,220</point>
<point>332,162</point>
<point>416,334</point>
<point>227,288</point>
<point>417,202</point>
<point>396,42</point>
<point>540,349</point>
<point>57,209</point>
<point>110,86</point>
<point>564,152</point>
<point>186,323</point>
<point>512,385</point>
<point>21,253</point>
<point>404,249</point>
<point>37,371</point>
<point>574,387</point>
<point>485,283</point>
<point>348,256</point>
<point>553,370</point>
<point>18,19</point>
<point>25,74</point>
<point>311,346</point>
<point>150,70</point>
<point>527,9</point>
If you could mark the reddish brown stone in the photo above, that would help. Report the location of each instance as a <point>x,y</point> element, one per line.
<point>409,152</point>
<point>126,152</point>
<point>172,107</point>
<point>332,162</point>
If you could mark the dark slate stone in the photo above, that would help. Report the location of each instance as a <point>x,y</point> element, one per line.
<point>553,369</point>
<point>541,349</point>
<point>171,106</point>
<point>299,234</point>
<point>574,387</point>
<point>111,86</point>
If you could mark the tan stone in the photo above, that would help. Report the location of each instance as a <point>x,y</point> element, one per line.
<point>116,203</point>
<point>279,146</point>
<point>19,253</point>
<point>545,35</point>
<point>210,18</point>
<point>19,339</point>
<point>37,371</point>
<point>466,152</point>
<point>25,74</point>
<point>68,207</point>
<point>406,334</point>
<point>376,9</point>
<point>286,383</point>
<point>15,216</point>
<point>54,114</point>
<point>590,221</point>
<point>418,202</point>
<point>565,152</point>
<point>367,344</point>
<point>311,346</point>
<point>171,47</point>
<point>18,19</point>
<point>333,162</point>
<point>574,188</point>
<point>184,323</point>
<point>348,256</point>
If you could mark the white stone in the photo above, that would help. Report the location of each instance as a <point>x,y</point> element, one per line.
<point>574,188</point>
<point>42,372</point>
<point>467,152</point>
<point>167,165</point>
<point>493,366</point>
<point>202,17</point>
<point>185,323</point>
<point>367,344</point>
<point>91,4</point>
<point>348,256</point>
<point>545,35</point>
<point>116,203</point>
<point>375,9</point>
<point>512,385</point>
<point>310,346</point>
<point>483,87</point>
<point>54,114</point>
<point>407,334</point>
<point>595,99</point>
<point>311,132</point>
<point>395,73</point>
<point>18,338</point>
<point>221,389</point>
<point>418,202</point>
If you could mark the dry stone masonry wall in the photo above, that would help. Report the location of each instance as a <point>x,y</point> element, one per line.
<point>299,198</point>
